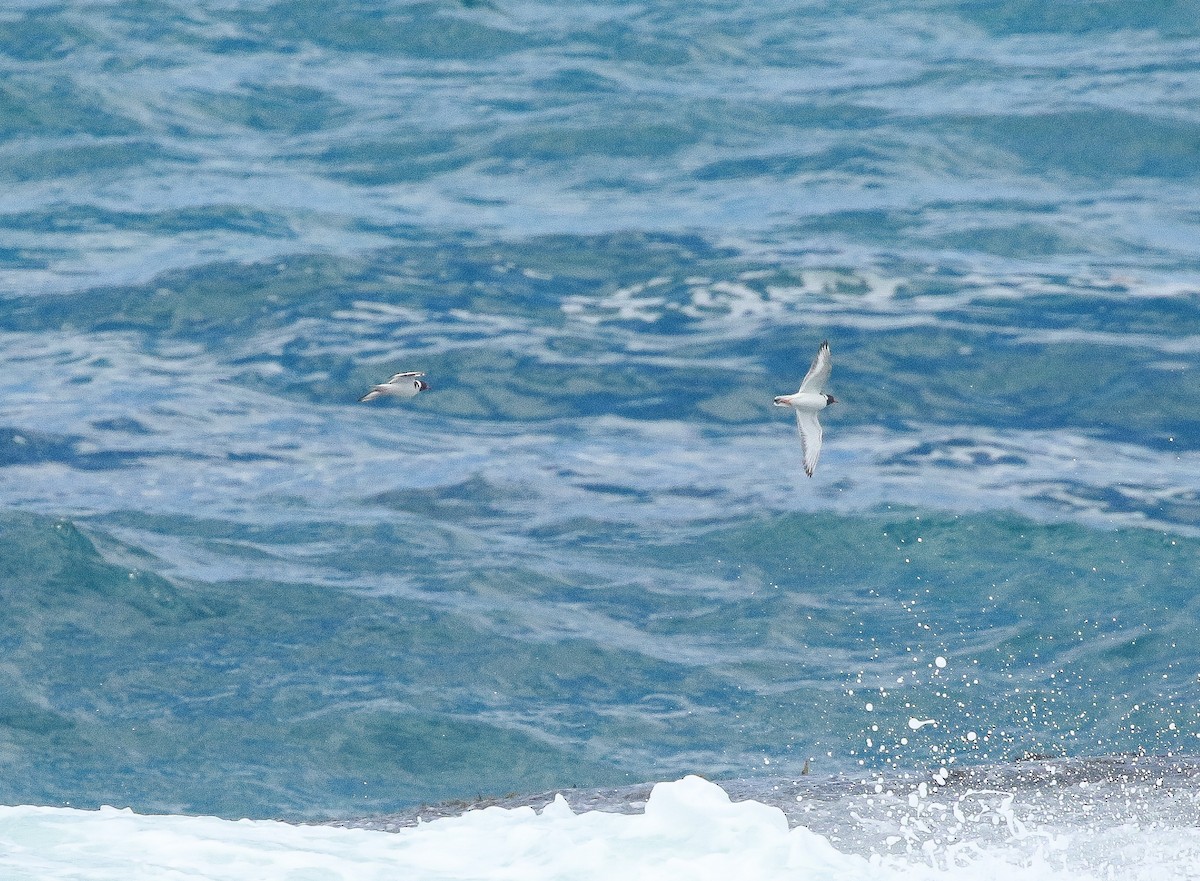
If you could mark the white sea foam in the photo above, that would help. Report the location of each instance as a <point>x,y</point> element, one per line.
<point>690,829</point>
<point>876,301</point>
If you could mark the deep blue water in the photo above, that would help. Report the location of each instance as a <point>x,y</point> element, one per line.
<point>610,234</point>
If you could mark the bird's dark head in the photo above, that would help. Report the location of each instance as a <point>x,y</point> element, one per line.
<point>422,385</point>
<point>830,399</point>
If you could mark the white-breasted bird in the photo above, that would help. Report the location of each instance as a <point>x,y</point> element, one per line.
<point>810,400</point>
<point>402,385</point>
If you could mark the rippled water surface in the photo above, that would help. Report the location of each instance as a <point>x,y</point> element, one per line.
<point>588,556</point>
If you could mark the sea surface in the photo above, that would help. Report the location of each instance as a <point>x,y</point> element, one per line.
<point>609,233</point>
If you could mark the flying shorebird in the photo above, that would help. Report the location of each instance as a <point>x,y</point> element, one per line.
<point>402,385</point>
<point>808,402</point>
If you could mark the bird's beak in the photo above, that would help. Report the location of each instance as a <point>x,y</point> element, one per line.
<point>780,402</point>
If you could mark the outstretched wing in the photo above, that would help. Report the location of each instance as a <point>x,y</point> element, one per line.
<point>818,373</point>
<point>392,387</point>
<point>810,439</point>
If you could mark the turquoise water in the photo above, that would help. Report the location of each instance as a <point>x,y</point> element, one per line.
<point>609,234</point>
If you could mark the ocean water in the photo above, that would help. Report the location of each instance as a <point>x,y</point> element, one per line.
<point>588,557</point>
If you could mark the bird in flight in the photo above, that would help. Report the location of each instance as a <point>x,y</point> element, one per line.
<point>402,385</point>
<point>810,400</point>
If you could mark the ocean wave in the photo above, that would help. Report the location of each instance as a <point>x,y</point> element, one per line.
<point>687,826</point>
<point>609,239</point>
